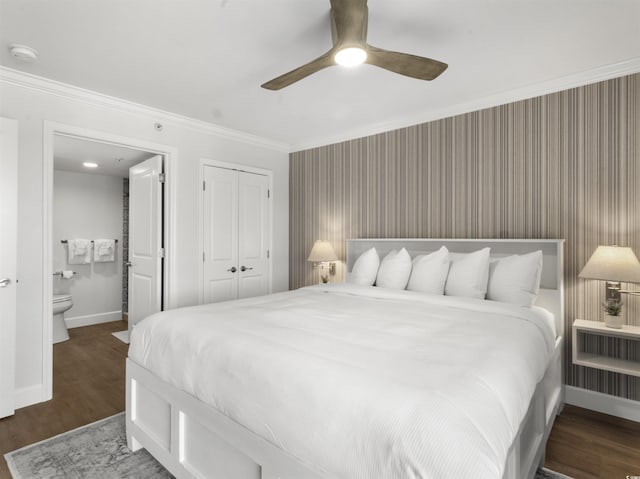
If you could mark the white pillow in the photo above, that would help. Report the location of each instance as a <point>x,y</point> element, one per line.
<point>429,272</point>
<point>515,279</point>
<point>365,268</point>
<point>395,269</point>
<point>468,274</point>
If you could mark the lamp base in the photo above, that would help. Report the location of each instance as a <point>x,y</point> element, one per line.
<point>613,291</point>
<point>328,266</point>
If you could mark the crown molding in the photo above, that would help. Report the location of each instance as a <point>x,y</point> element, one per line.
<point>595,75</point>
<point>64,90</point>
<point>70,92</point>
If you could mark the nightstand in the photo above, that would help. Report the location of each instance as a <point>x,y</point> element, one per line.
<point>581,327</point>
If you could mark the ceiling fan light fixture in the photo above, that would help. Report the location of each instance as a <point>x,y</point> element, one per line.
<point>350,57</point>
<point>349,23</point>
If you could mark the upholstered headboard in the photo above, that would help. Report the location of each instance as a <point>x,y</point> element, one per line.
<point>551,282</point>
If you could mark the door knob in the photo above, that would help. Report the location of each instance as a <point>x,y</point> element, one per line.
<point>4,282</point>
<point>244,268</point>
<point>232,269</point>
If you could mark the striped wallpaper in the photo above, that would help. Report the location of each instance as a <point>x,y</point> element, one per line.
<point>565,165</point>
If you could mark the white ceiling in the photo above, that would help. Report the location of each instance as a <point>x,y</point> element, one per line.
<point>69,153</point>
<point>206,59</point>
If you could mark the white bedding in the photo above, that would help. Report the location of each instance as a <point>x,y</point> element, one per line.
<point>361,382</point>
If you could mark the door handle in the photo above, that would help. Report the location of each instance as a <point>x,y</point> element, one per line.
<point>128,264</point>
<point>244,268</point>
<point>232,269</point>
<point>4,282</point>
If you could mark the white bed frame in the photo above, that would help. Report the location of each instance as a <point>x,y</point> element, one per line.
<point>193,440</point>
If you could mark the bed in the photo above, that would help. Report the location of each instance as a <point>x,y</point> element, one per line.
<point>352,380</point>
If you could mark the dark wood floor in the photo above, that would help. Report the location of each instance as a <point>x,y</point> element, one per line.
<point>89,384</point>
<point>588,445</point>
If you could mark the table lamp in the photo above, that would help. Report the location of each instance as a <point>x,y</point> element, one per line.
<point>613,264</point>
<point>323,257</point>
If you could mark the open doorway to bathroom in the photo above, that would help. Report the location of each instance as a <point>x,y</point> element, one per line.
<point>97,190</point>
<point>90,232</point>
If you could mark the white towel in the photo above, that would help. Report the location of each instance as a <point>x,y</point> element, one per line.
<point>79,251</point>
<point>104,250</point>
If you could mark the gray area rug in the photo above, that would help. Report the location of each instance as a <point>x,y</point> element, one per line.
<point>99,451</point>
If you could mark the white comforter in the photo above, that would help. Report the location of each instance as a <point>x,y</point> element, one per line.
<point>360,382</point>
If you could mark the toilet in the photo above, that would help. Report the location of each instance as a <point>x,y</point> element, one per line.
<point>61,304</point>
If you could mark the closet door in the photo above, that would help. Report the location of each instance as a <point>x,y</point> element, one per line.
<point>253,225</point>
<point>220,229</point>
<point>236,226</point>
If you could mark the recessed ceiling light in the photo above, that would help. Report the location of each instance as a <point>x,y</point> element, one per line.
<point>23,53</point>
<point>89,164</point>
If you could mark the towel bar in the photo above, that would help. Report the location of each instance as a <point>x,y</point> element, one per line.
<point>66,241</point>
<point>59,273</point>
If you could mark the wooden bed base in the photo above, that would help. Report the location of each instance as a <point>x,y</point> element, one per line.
<point>193,440</point>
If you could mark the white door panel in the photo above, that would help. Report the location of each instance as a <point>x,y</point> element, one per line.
<point>8,266</point>
<point>142,244</point>
<point>223,237</point>
<point>235,234</point>
<point>220,234</point>
<point>141,289</point>
<point>221,290</point>
<point>253,224</point>
<point>145,233</point>
<point>252,285</point>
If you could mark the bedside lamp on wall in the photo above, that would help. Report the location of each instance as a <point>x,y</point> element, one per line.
<point>323,257</point>
<point>613,264</point>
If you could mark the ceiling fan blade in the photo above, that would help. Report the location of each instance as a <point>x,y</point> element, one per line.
<point>405,64</point>
<point>299,73</point>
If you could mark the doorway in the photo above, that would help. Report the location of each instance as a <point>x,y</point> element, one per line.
<point>66,148</point>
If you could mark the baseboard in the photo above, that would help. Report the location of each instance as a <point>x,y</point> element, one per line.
<point>604,403</point>
<point>91,319</point>
<point>27,396</point>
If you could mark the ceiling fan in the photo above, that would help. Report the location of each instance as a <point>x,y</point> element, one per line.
<point>349,19</point>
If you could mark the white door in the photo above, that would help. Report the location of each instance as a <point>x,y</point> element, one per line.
<point>253,235</point>
<point>235,234</point>
<point>220,190</point>
<point>8,269</point>
<point>145,240</point>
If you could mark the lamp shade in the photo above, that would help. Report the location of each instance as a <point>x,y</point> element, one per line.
<point>321,252</point>
<point>612,263</point>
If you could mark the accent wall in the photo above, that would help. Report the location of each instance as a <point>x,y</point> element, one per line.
<point>564,165</point>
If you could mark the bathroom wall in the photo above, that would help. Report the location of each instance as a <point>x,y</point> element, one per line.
<point>88,206</point>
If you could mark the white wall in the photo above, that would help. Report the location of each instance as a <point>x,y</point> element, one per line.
<point>32,102</point>
<point>88,206</point>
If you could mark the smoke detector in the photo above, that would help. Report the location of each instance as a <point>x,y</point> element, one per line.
<point>23,53</point>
